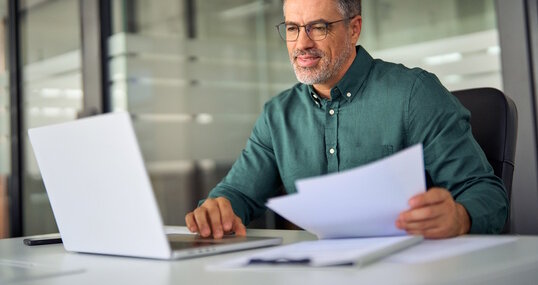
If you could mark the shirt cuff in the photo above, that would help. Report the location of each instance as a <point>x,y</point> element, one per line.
<point>481,221</point>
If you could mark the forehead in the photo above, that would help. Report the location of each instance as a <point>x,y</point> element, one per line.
<point>304,11</point>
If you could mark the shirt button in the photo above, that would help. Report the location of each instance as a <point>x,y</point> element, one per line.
<point>331,112</point>
<point>348,94</point>
<point>331,151</point>
<point>315,96</point>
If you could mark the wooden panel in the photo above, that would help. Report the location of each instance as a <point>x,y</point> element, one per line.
<point>4,229</point>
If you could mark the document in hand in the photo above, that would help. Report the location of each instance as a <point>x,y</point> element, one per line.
<point>360,202</point>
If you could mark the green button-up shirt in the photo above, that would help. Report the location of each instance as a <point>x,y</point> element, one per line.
<point>377,108</point>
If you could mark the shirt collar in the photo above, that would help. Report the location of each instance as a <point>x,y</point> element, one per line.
<point>354,78</point>
<point>315,97</point>
<point>356,75</point>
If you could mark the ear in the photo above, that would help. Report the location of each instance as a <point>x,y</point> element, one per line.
<point>356,26</point>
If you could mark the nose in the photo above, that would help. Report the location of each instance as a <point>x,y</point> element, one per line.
<point>303,41</point>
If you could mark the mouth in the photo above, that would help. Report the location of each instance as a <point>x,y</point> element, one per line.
<point>306,60</point>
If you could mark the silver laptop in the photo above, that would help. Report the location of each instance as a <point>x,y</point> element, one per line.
<point>102,197</point>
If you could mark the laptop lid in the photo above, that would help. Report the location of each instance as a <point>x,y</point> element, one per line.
<point>101,195</point>
<point>98,187</point>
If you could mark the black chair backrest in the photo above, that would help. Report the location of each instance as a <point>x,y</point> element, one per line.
<point>494,126</point>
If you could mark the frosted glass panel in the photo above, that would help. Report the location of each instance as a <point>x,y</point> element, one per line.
<point>52,90</point>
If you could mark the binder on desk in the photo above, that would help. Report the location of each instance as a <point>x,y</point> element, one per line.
<point>328,252</point>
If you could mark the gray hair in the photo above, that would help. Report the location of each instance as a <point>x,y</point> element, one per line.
<point>348,8</point>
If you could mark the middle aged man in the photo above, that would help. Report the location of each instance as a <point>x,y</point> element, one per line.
<point>348,110</point>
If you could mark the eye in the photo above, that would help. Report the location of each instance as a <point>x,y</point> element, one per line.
<point>291,28</point>
<point>319,27</point>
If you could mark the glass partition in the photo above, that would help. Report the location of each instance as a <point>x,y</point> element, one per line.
<point>457,39</point>
<point>195,75</point>
<point>52,93</point>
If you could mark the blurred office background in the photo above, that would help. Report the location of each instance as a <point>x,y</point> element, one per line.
<point>195,75</point>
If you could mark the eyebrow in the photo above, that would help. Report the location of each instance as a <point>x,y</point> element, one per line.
<point>311,22</point>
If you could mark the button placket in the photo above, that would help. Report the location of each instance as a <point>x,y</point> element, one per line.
<point>331,134</point>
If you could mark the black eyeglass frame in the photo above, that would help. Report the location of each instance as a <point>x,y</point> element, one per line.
<point>307,27</point>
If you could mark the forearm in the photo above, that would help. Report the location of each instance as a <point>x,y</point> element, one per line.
<point>487,206</point>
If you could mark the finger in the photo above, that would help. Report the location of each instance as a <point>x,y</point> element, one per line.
<point>238,227</point>
<point>191,223</point>
<point>213,213</point>
<point>200,217</point>
<point>416,233</point>
<point>421,225</point>
<point>226,213</point>
<point>438,233</point>
<point>432,196</point>
<point>424,213</point>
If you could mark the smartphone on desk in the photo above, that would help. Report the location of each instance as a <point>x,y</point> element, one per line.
<point>43,239</point>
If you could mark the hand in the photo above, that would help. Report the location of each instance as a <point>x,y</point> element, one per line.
<point>215,217</point>
<point>434,214</point>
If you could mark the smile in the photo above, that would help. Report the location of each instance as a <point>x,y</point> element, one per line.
<point>307,60</point>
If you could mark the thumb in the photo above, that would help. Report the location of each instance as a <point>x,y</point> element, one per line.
<point>238,227</point>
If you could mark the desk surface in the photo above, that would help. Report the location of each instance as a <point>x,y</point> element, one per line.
<point>511,263</point>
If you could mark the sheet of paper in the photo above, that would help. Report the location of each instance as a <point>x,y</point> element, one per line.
<point>432,250</point>
<point>14,271</point>
<point>326,252</point>
<point>360,202</point>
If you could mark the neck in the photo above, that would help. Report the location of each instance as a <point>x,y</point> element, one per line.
<point>323,90</point>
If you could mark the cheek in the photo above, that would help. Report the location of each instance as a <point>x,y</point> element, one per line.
<point>326,48</point>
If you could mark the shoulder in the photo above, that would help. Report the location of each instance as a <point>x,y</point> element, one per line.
<point>390,72</point>
<point>418,84</point>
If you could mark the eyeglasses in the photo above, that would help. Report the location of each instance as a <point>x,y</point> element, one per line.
<point>315,31</point>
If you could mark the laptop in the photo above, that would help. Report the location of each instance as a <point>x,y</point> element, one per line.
<point>102,198</point>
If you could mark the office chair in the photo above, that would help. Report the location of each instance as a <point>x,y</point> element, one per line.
<point>494,126</point>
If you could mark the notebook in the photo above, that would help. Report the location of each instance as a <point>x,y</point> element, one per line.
<point>102,198</point>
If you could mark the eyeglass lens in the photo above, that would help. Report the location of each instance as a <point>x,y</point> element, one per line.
<point>290,32</point>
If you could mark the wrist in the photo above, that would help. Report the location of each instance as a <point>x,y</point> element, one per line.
<point>463,218</point>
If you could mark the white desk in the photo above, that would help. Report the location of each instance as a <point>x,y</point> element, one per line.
<point>511,263</point>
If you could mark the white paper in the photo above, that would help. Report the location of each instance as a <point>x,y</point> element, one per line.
<point>360,202</point>
<point>14,271</point>
<point>432,250</point>
<point>328,252</point>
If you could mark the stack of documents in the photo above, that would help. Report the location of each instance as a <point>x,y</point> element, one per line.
<point>361,202</point>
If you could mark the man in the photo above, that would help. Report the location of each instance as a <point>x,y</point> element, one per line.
<point>348,110</point>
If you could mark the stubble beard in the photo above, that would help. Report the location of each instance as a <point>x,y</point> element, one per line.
<point>324,70</point>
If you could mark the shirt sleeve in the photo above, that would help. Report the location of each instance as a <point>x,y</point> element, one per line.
<point>254,176</point>
<point>452,157</point>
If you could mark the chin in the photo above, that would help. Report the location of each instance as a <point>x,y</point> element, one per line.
<point>309,79</point>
